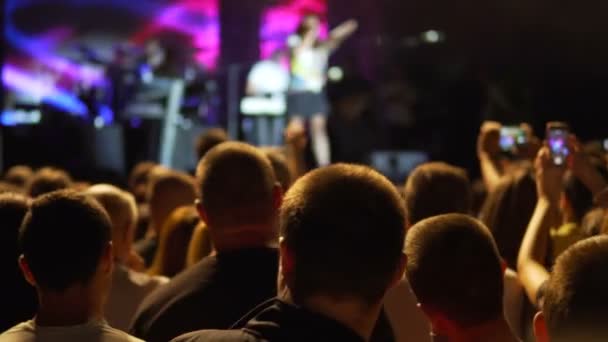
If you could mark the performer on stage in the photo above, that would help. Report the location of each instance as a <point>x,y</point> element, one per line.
<point>306,101</point>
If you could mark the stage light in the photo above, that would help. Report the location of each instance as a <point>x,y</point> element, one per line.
<point>335,74</point>
<point>432,36</point>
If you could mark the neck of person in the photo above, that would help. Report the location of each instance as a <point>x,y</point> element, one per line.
<point>75,306</point>
<point>352,313</point>
<point>496,330</point>
<point>227,239</point>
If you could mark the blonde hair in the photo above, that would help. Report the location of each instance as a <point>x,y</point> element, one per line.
<point>122,210</point>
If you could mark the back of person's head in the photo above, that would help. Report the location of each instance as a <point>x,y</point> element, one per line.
<point>139,179</point>
<point>237,186</point>
<point>454,269</point>
<point>64,238</point>
<point>507,211</point>
<point>578,197</point>
<point>437,188</point>
<point>208,140</point>
<point>122,210</point>
<point>280,167</point>
<point>46,180</point>
<point>593,222</point>
<point>575,297</point>
<point>344,227</point>
<point>175,236</point>
<point>18,175</point>
<point>168,191</point>
<point>200,245</point>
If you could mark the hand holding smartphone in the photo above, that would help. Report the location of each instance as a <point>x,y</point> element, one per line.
<point>557,139</point>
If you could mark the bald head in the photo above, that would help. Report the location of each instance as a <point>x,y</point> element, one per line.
<point>236,185</point>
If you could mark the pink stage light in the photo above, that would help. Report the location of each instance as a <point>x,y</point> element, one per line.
<point>280,21</point>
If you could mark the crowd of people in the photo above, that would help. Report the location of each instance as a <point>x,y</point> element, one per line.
<point>256,247</point>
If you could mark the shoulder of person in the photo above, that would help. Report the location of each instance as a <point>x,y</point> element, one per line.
<point>18,332</point>
<point>115,335</point>
<point>217,336</point>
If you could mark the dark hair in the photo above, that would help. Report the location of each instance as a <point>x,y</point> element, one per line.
<point>345,226</point>
<point>236,184</point>
<point>437,188</point>
<point>453,266</point>
<point>18,175</point>
<point>208,140</point>
<point>303,26</point>
<point>139,178</point>
<point>507,212</point>
<point>575,298</point>
<point>63,238</point>
<point>578,195</point>
<point>593,222</point>
<point>46,180</point>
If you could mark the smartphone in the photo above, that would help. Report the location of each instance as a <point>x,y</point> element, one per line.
<point>557,138</point>
<point>511,137</point>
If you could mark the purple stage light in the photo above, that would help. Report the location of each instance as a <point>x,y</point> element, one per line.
<point>41,90</point>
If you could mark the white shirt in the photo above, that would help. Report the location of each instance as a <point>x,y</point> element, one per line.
<point>129,288</point>
<point>93,331</point>
<point>268,77</point>
<point>308,66</point>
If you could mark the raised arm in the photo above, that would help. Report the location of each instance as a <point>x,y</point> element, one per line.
<point>488,152</point>
<point>340,33</point>
<point>532,254</point>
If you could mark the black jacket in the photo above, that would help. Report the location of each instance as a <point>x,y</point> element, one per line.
<point>279,321</point>
<point>213,294</point>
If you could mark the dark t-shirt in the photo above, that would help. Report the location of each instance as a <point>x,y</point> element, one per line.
<point>276,320</point>
<point>279,321</point>
<point>213,294</point>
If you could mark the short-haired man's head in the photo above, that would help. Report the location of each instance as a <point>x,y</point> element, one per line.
<point>437,188</point>
<point>575,298</point>
<point>120,206</point>
<point>63,239</point>
<point>18,175</point>
<point>167,191</point>
<point>344,226</point>
<point>236,184</point>
<point>46,180</point>
<point>208,140</point>
<point>139,178</point>
<point>454,269</point>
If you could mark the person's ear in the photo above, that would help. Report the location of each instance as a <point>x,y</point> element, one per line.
<point>202,213</point>
<point>25,269</point>
<point>287,260</point>
<point>107,260</point>
<point>277,196</point>
<point>540,328</point>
